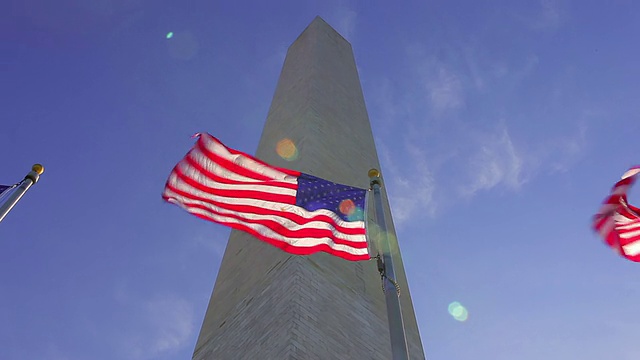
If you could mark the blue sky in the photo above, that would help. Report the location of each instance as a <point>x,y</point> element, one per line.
<point>501,127</point>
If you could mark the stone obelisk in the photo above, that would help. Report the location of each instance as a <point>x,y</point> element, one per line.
<point>267,304</point>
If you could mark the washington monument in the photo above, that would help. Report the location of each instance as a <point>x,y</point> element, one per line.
<point>268,304</point>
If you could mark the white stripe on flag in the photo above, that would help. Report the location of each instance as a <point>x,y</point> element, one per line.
<point>632,249</point>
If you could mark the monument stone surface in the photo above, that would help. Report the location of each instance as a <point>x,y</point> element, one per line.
<point>267,304</point>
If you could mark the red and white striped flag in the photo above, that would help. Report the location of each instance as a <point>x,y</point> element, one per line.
<point>296,212</point>
<point>618,222</point>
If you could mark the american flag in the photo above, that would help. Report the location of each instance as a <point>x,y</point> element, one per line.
<point>296,212</point>
<point>618,222</point>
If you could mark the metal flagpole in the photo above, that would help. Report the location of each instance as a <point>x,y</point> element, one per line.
<point>391,289</point>
<point>31,178</point>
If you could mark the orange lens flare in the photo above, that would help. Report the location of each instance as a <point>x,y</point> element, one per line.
<point>287,150</point>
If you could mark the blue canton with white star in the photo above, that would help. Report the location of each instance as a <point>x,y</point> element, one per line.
<point>315,193</point>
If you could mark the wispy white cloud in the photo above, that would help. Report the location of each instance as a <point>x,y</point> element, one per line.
<point>214,242</point>
<point>165,326</point>
<point>155,326</point>
<point>444,89</point>
<point>173,319</point>
<point>496,162</point>
<point>549,16</point>
<point>442,85</point>
<point>455,140</point>
<point>429,89</point>
<point>345,22</point>
<point>276,59</point>
<point>411,191</point>
<point>525,70</point>
<point>475,73</point>
<point>564,150</point>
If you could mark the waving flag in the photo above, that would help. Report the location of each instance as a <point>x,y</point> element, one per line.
<point>618,222</point>
<point>296,212</point>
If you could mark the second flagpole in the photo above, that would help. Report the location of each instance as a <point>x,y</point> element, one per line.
<point>30,179</point>
<point>399,347</point>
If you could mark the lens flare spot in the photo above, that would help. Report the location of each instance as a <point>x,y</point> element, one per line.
<point>287,149</point>
<point>356,215</point>
<point>169,35</point>
<point>347,207</point>
<point>458,311</point>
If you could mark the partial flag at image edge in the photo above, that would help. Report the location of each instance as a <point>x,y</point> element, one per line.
<point>618,222</point>
<point>4,189</point>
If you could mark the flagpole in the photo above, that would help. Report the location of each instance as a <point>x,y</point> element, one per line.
<point>390,286</point>
<point>30,179</point>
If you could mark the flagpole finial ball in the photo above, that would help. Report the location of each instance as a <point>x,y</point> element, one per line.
<point>374,173</point>
<point>39,169</point>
